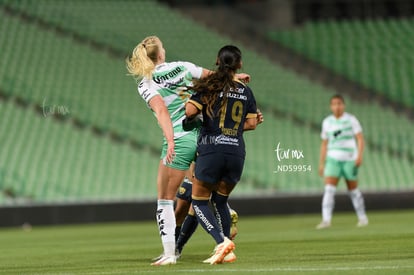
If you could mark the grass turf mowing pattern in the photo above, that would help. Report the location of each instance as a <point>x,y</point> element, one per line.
<point>265,245</point>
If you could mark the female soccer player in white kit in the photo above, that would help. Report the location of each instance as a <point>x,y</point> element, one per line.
<point>341,156</point>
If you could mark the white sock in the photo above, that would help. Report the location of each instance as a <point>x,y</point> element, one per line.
<point>358,202</point>
<point>166,225</point>
<point>328,202</point>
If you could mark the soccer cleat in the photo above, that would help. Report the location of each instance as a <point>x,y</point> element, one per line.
<point>177,256</point>
<point>158,257</point>
<point>222,250</point>
<point>323,225</point>
<point>231,257</point>
<point>166,260</point>
<point>234,220</point>
<point>362,223</point>
<point>208,260</point>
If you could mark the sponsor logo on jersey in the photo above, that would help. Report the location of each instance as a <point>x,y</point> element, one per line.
<point>159,79</point>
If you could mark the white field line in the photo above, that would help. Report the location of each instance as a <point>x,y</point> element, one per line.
<point>158,270</point>
<point>289,269</point>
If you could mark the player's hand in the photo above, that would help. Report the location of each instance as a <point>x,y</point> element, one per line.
<point>358,161</point>
<point>321,169</point>
<point>259,117</point>
<point>169,157</point>
<point>243,77</point>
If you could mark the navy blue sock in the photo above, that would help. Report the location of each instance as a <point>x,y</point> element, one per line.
<point>177,232</point>
<point>207,220</point>
<point>222,212</point>
<point>187,229</point>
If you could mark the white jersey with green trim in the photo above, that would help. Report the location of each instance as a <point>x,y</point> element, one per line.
<point>169,80</point>
<point>340,133</point>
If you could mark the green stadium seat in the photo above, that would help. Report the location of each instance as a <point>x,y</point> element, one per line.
<point>377,50</point>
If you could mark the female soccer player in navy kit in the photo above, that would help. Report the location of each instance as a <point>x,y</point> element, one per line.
<point>228,108</point>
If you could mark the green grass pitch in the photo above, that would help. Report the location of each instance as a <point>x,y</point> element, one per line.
<point>265,245</point>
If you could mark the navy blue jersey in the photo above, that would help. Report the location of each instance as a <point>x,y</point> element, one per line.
<point>224,131</point>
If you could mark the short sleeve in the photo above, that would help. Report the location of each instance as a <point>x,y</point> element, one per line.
<point>356,126</point>
<point>251,105</point>
<point>195,99</point>
<point>324,134</point>
<point>146,91</point>
<point>194,70</point>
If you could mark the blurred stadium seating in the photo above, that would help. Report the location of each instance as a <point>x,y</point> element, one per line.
<point>375,52</point>
<point>69,56</point>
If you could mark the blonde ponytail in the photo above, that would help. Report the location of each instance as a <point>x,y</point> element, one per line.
<point>143,58</point>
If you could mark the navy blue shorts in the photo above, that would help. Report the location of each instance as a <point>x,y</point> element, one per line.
<point>215,167</point>
<point>184,192</point>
